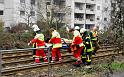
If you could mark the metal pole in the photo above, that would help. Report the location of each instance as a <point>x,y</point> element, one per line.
<point>49,71</point>
<point>0,63</point>
<point>85,16</point>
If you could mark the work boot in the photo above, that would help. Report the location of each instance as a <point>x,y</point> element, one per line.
<point>60,60</point>
<point>37,61</point>
<point>52,61</point>
<point>94,52</point>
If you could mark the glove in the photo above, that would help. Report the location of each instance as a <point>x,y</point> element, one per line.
<point>29,44</point>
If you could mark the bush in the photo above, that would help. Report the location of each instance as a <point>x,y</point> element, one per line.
<point>6,41</point>
<point>1,26</point>
<point>14,40</point>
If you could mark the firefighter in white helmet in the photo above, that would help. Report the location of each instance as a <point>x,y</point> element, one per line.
<point>77,45</point>
<point>35,28</point>
<point>39,40</point>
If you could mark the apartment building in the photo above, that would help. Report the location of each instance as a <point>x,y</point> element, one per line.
<point>59,11</point>
<point>88,13</point>
<point>1,9</point>
<point>83,13</point>
<point>13,12</point>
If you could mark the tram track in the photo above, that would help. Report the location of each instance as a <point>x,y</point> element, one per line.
<point>16,65</point>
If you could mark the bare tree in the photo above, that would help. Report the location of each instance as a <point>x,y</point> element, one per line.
<point>54,13</point>
<point>28,12</point>
<point>115,33</point>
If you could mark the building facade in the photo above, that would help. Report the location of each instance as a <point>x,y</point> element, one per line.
<point>83,13</point>
<point>13,12</point>
<point>89,13</point>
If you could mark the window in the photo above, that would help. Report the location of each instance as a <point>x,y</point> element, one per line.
<point>80,25</point>
<point>89,26</point>
<point>1,1</point>
<point>1,12</point>
<point>32,2</point>
<point>98,7</point>
<point>22,13</point>
<point>98,18</point>
<point>32,13</point>
<point>22,1</point>
<point>105,19</point>
<point>48,3</point>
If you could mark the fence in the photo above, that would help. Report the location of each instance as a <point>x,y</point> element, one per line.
<point>26,49</point>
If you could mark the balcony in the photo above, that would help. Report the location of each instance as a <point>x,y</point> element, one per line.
<point>90,8</point>
<point>79,7</point>
<point>90,11</point>
<point>90,21</point>
<point>79,21</point>
<point>79,10</point>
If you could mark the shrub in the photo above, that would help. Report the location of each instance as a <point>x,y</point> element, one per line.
<point>1,26</point>
<point>7,41</point>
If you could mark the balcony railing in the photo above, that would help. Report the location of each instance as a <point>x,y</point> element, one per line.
<point>90,11</point>
<point>90,21</point>
<point>79,10</point>
<point>79,20</point>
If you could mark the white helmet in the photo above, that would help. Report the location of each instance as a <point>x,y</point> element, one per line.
<point>35,28</point>
<point>82,30</point>
<point>76,28</point>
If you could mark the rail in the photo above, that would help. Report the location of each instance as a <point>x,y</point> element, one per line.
<point>48,48</point>
<point>26,49</point>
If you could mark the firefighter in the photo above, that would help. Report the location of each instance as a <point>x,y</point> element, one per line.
<point>94,39</point>
<point>87,51</point>
<point>77,45</point>
<point>39,40</point>
<point>34,44</point>
<point>57,44</point>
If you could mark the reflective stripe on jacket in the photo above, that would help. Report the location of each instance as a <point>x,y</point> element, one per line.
<point>39,40</point>
<point>56,40</point>
<point>77,39</point>
<point>94,35</point>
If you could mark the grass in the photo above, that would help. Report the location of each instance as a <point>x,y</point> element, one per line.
<point>96,69</point>
<point>115,66</point>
